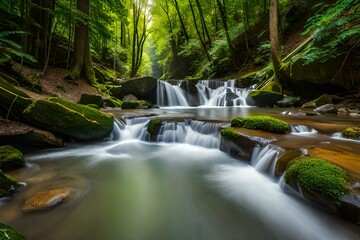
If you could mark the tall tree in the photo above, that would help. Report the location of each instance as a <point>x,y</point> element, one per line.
<point>279,67</point>
<point>82,62</point>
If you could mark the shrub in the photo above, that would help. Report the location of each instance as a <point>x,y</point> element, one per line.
<point>264,123</point>
<point>318,176</point>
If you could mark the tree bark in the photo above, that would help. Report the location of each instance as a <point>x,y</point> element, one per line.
<point>274,39</point>
<point>82,62</point>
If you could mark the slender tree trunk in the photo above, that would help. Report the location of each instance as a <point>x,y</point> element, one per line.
<point>82,62</point>
<point>181,21</point>
<point>226,29</point>
<point>198,33</point>
<point>274,39</point>
<point>203,23</point>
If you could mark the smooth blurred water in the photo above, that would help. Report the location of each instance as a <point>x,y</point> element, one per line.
<point>136,190</point>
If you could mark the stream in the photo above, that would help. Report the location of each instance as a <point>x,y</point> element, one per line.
<point>179,187</point>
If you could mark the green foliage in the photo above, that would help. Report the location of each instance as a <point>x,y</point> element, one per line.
<point>264,123</point>
<point>8,184</point>
<point>9,48</point>
<point>8,233</point>
<point>318,176</point>
<point>336,28</point>
<point>351,132</point>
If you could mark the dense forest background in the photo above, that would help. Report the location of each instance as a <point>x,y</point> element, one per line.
<point>195,39</point>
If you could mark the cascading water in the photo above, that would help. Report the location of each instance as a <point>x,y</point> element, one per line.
<point>207,93</point>
<point>264,158</point>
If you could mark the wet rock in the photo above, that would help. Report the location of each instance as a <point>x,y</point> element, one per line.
<point>350,208</point>
<point>322,100</point>
<point>8,233</point>
<point>262,98</point>
<point>289,101</point>
<point>11,158</point>
<point>130,97</point>
<point>351,132</point>
<point>327,108</point>
<point>46,200</point>
<point>8,184</point>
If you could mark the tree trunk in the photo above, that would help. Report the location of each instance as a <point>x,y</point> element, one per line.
<point>279,68</point>
<point>181,21</point>
<point>203,23</point>
<point>82,63</point>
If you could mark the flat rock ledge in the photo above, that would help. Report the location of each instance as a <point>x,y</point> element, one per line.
<point>45,200</point>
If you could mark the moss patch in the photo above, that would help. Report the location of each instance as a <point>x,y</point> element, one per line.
<point>318,176</point>
<point>130,105</point>
<point>351,132</point>
<point>10,158</point>
<point>230,133</point>
<point>8,233</point>
<point>154,126</point>
<point>87,99</point>
<point>264,123</point>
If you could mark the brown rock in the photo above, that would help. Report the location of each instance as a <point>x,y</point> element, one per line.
<point>45,200</point>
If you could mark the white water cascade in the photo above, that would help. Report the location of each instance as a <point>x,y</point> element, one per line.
<point>206,93</point>
<point>264,158</point>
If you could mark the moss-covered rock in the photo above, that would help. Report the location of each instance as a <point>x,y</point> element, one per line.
<point>13,102</point>
<point>11,158</point>
<point>289,101</point>
<point>87,99</point>
<point>113,102</point>
<point>317,176</point>
<point>284,160</point>
<point>264,123</point>
<point>69,119</point>
<point>7,184</point>
<point>154,126</point>
<point>262,98</point>
<point>94,106</point>
<point>322,100</point>
<point>351,132</point>
<point>8,233</point>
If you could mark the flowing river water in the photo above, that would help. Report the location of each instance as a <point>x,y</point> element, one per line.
<point>180,187</point>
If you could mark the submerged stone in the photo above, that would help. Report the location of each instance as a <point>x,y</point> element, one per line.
<point>8,184</point>
<point>327,108</point>
<point>46,200</point>
<point>322,100</point>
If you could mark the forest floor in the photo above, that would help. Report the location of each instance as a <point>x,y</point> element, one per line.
<point>53,84</point>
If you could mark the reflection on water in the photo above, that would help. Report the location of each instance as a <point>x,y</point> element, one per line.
<point>136,190</point>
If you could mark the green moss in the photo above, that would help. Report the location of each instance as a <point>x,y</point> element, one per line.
<point>351,132</point>
<point>264,123</point>
<point>230,133</point>
<point>258,93</point>
<point>284,160</point>
<point>94,106</point>
<point>130,104</point>
<point>318,176</point>
<point>8,233</point>
<point>7,184</point>
<point>70,119</point>
<point>154,126</point>
<point>87,99</point>
<point>10,158</point>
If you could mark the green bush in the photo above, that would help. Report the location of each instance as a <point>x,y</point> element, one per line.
<point>351,132</point>
<point>264,123</point>
<point>318,176</point>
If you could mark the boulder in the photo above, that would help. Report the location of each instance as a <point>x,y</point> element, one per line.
<point>87,99</point>
<point>130,97</point>
<point>69,119</point>
<point>11,158</point>
<point>264,123</point>
<point>327,108</point>
<point>322,100</point>
<point>8,233</point>
<point>262,98</point>
<point>143,88</point>
<point>45,200</point>
<point>351,132</point>
<point>8,184</point>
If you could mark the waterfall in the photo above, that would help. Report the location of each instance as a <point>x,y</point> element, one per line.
<point>264,158</point>
<point>300,129</point>
<point>204,93</point>
<point>205,134</point>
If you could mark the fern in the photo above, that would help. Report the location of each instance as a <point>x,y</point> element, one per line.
<point>10,48</point>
